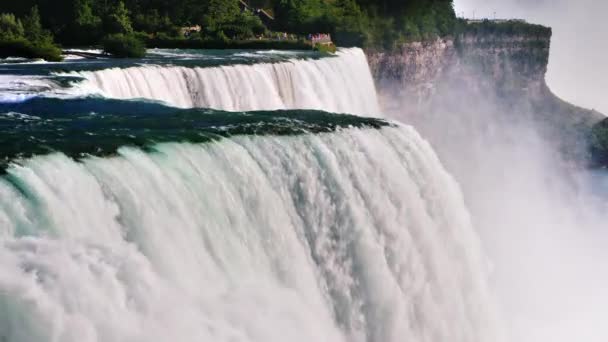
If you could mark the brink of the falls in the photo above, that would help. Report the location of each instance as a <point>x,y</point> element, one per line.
<point>255,226</point>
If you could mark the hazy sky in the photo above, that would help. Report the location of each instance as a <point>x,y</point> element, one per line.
<point>578,68</point>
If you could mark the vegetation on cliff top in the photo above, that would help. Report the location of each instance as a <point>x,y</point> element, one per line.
<point>599,143</point>
<point>222,23</point>
<point>503,28</point>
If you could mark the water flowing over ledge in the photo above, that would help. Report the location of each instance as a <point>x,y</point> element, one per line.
<point>341,84</point>
<point>166,223</point>
<point>98,126</point>
<point>368,239</point>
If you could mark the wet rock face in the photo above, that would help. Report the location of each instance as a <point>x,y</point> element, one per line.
<point>414,63</point>
<point>499,72</point>
<point>409,75</point>
<point>511,64</point>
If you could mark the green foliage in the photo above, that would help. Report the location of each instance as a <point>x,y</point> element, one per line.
<point>10,27</point>
<point>599,143</point>
<point>325,48</point>
<point>21,47</point>
<point>301,16</point>
<point>124,46</point>
<point>86,27</point>
<point>410,29</point>
<point>164,41</point>
<point>33,30</point>
<point>219,13</point>
<point>117,21</point>
<point>141,36</point>
<point>251,22</point>
<point>509,28</point>
<point>26,38</point>
<point>152,21</point>
<point>31,25</point>
<point>369,23</point>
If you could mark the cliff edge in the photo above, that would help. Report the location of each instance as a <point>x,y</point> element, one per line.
<point>488,66</point>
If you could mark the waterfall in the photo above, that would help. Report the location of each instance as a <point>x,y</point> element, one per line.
<point>341,84</point>
<point>357,235</point>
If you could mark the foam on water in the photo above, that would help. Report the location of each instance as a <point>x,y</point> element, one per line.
<point>341,84</point>
<point>358,235</point>
<point>18,88</point>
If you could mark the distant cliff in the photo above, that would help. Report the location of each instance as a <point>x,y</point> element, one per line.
<point>488,66</point>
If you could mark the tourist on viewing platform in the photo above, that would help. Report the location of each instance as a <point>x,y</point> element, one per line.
<point>319,38</point>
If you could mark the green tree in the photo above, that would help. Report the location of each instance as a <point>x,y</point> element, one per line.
<point>26,39</point>
<point>349,23</point>
<point>124,46</point>
<point>117,21</point>
<point>86,26</point>
<point>83,14</point>
<point>10,27</point>
<point>218,12</point>
<point>245,25</point>
<point>33,28</point>
<point>411,32</point>
<point>152,21</point>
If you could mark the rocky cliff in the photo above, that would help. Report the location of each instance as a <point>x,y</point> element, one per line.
<point>494,69</point>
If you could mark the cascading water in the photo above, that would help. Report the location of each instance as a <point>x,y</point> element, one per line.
<point>357,235</point>
<point>132,221</point>
<point>341,84</point>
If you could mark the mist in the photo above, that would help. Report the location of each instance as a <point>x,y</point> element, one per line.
<point>540,220</point>
<point>577,69</point>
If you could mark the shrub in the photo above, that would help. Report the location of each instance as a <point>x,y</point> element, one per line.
<point>152,21</point>
<point>141,36</point>
<point>26,38</point>
<point>86,26</point>
<point>47,51</point>
<point>325,48</point>
<point>118,20</point>
<point>10,27</point>
<point>124,46</point>
<point>508,28</point>
<point>21,47</point>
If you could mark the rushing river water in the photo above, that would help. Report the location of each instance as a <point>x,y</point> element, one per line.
<point>254,196</point>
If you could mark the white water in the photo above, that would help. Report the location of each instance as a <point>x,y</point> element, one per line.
<point>542,220</point>
<point>358,235</point>
<point>17,88</point>
<point>341,84</point>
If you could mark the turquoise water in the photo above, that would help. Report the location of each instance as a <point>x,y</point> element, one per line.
<point>40,113</point>
<point>162,57</point>
<point>21,79</point>
<point>96,126</point>
<point>224,196</point>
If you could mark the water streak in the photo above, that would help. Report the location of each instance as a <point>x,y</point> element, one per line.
<point>341,84</point>
<point>358,235</point>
